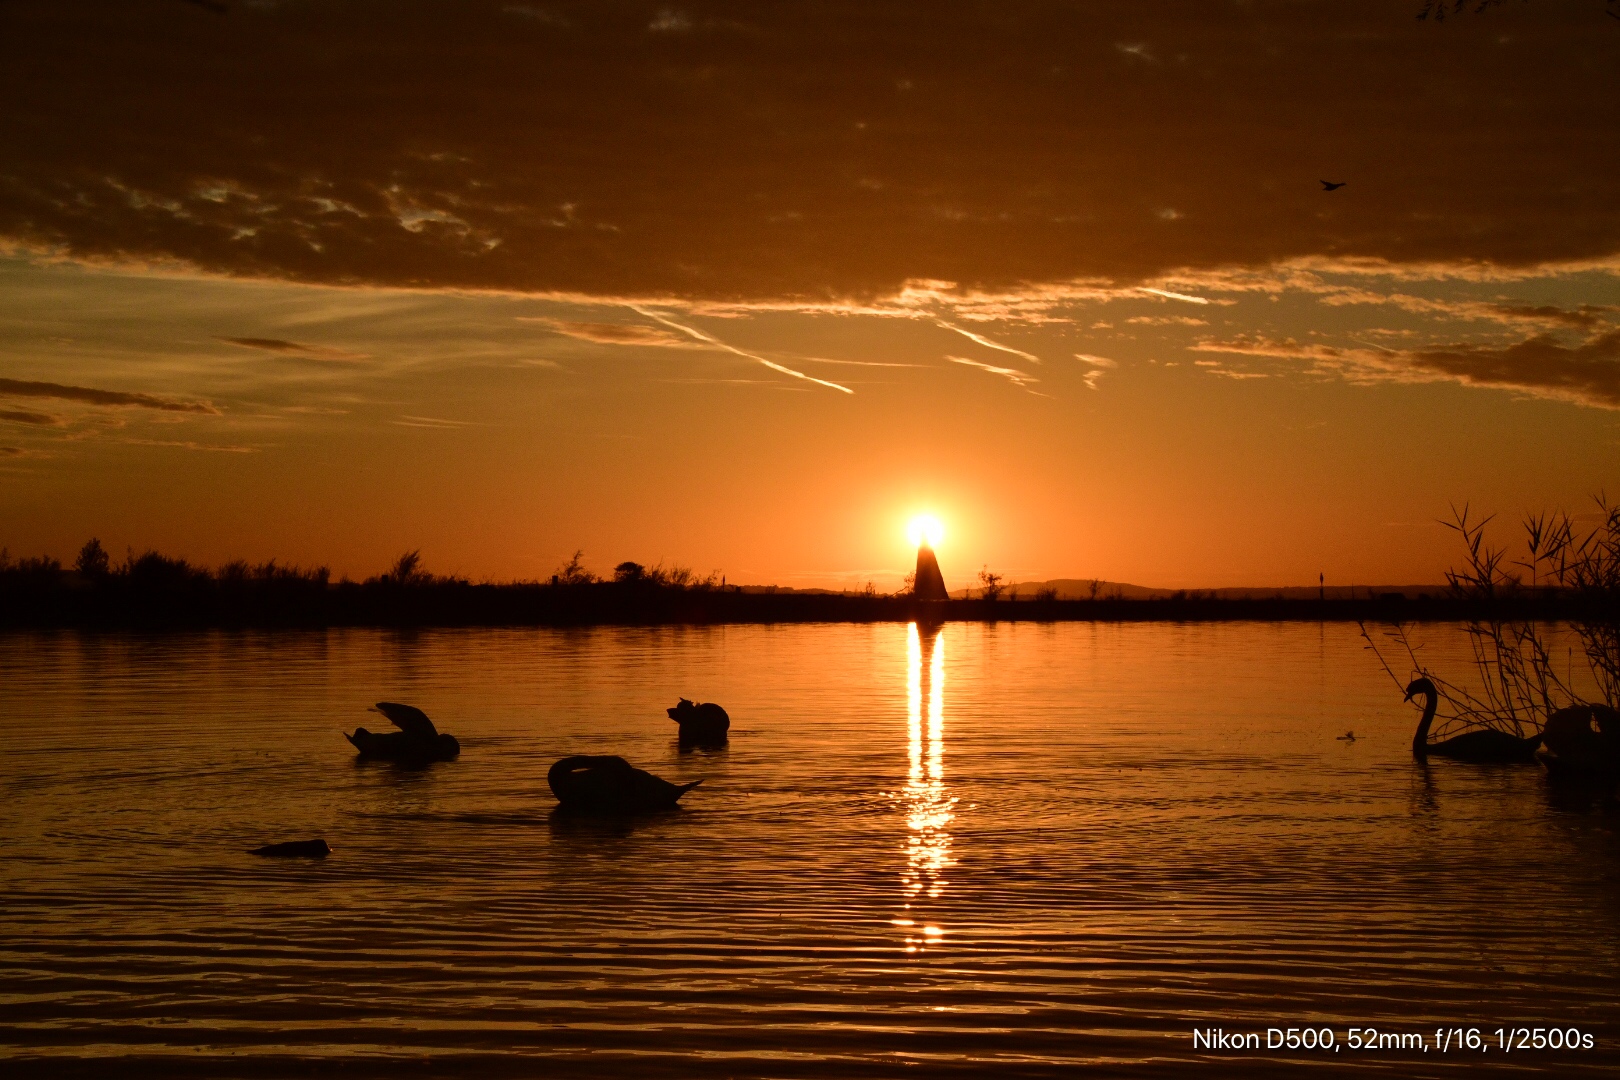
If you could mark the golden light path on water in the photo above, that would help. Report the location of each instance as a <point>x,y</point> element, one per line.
<point>1011,850</point>
<point>929,805</point>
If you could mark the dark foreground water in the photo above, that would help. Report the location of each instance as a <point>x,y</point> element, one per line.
<point>1006,850</point>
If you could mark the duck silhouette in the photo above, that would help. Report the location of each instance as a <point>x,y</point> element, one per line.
<point>607,784</point>
<point>1483,745</point>
<point>1328,185</point>
<point>707,722</point>
<point>1349,736</point>
<point>294,849</point>
<point>417,741</point>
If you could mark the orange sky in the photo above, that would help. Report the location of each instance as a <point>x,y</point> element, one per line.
<point>745,286</point>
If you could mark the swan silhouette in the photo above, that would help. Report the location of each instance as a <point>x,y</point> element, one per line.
<point>609,784</point>
<point>707,722</point>
<point>1582,740</point>
<point>1484,745</point>
<point>417,741</point>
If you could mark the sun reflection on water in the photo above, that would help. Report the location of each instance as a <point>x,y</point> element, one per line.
<point>928,804</point>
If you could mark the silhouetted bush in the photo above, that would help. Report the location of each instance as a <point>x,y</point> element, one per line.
<point>92,561</point>
<point>1517,673</point>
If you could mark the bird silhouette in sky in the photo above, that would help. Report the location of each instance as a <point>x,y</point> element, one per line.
<point>1328,185</point>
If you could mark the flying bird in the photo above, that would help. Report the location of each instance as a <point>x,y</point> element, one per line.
<point>1328,185</point>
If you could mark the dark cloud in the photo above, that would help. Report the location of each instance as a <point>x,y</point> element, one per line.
<point>293,348</point>
<point>1588,373</point>
<point>22,416</point>
<point>1585,317</point>
<point>92,396</point>
<point>803,150</point>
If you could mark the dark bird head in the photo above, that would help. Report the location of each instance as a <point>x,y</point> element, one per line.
<point>1420,686</point>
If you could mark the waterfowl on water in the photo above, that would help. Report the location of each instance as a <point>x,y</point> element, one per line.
<point>1582,740</point>
<point>417,741</point>
<point>704,722</point>
<point>609,784</point>
<point>1484,745</point>
<point>1349,736</point>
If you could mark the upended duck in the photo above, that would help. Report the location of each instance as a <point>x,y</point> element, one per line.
<point>700,723</point>
<point>417,741</point>
<point>1483,745</point>
<point>611,785</point>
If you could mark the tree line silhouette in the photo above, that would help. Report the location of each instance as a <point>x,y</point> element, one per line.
<point>152,590</point>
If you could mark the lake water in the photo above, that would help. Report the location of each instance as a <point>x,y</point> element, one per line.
<point>1002,850</point>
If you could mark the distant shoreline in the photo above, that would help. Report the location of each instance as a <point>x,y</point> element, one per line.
<point>122,603</point>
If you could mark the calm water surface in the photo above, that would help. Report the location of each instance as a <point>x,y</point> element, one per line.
<point>1011,850</point>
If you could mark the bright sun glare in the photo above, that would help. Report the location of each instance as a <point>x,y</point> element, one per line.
<point>925,527</point>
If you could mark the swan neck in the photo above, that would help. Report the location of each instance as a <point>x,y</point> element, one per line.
<point>1420,741</point>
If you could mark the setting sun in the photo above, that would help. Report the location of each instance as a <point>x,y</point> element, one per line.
<point>925,528</point>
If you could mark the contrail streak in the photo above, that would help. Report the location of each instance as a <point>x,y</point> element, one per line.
<point>1019,378</point>
<point>987,343</point>
<point>718,344</point>
<point>1175,295</point>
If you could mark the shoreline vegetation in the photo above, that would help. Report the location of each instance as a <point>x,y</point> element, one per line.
<point>1525,682</point>
<point>153,591</point>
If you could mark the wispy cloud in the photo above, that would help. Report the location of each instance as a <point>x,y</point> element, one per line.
<point>38,419</point>
<point>670,21</point>
<point>713,342</point>
<point>92,396</point>
<point>606,333</point>
<point>434,422</point>
<point>188,445</point>
<point>987,343</point>
<point>1167,320</point>
<point>294,348</point>
<point>1013,375</point>
<point>856,363</point>
<point>1583,317</point>
<point>1259,345</point>
<point>1099,364</point>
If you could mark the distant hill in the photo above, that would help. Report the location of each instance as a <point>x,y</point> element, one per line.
<point>1089,589</point>
<point>773,590</point>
